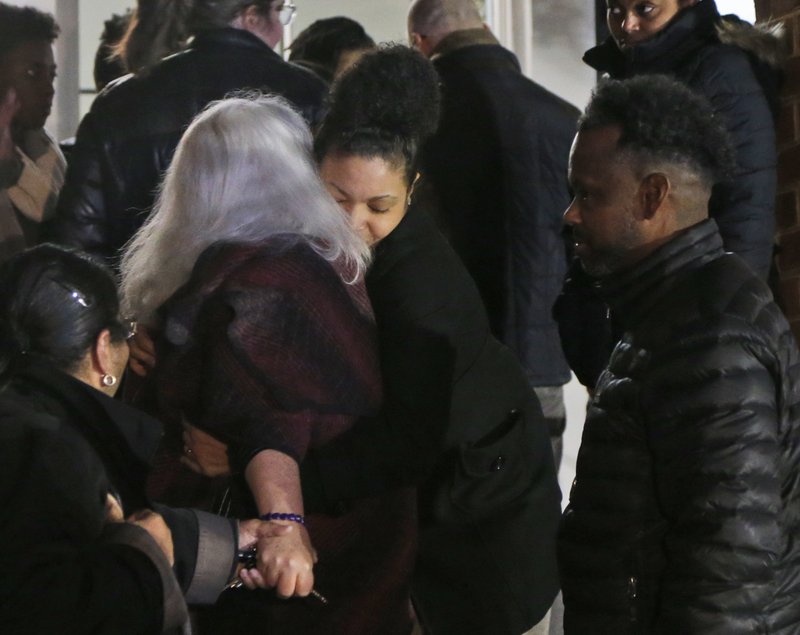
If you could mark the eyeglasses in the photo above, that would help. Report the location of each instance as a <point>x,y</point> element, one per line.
<point>286,13</point>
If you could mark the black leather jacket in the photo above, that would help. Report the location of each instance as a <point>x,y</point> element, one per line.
<point>684,514</point>
<point>126,141</point>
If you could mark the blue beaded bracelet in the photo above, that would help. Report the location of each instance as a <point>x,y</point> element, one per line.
<point>295,518</point>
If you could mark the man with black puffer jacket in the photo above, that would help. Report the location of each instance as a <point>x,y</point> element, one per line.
<point>126,141</point>
<point>685,513</point>
<point>736,66</point>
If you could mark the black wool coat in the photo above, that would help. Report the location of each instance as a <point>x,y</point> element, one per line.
<point>736,67</point>
<point>460,421</point>
<point>685,513</point>
<point>497,166</point>
<point>126,141</point>
<point>63,447</point>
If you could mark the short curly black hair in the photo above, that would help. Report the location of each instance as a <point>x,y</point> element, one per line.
<point>54,302</point>
<point>19,25</point>
<point>385,106</point>
<point>322,43</point>
<point>662,120</point>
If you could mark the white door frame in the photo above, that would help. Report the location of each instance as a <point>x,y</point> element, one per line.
<point>512,23</point>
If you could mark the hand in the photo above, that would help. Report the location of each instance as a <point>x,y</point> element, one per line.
<point>113,510</point>
<point>204,454</point>
<point>250,530</point>
<point>285,560</point>
<point>9,106</point>
<point>143,352</point>
<point>154,524</point>
<point>248,536</point>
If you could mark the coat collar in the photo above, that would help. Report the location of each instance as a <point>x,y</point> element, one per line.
<point>632,293</point>
<point>125,438</point>
<point>461,39</point>
<point>227,37</point>
<point>414,229</point>
<point>691,29</point>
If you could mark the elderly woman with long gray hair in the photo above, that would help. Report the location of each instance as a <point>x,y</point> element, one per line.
<point>252,278</point>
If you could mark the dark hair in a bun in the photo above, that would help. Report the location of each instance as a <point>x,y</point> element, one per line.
<point>386,106</point>
<point>54,302</point>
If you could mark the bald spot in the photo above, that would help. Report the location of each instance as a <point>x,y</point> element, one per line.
<point>442,17</point>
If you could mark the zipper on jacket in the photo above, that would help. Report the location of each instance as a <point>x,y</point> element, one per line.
<point>633,596</point>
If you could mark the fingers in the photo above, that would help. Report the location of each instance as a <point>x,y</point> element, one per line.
<point>303,584</point>
<point>9,106</point>
<point>138,368</point>
<point>268,529</point>
<point>114,512</point>
<point>142,352</point>
<point>205,452</point>
<point>291,582</point>
<point>154,524</point>
<point>193,465</point>
<point>286,559</point>
<point>252,579</point>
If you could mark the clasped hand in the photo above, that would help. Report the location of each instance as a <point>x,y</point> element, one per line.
<point>285,558</point>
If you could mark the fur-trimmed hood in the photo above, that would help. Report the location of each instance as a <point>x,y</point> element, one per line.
<point>766,42</point>
<point>692,29</point>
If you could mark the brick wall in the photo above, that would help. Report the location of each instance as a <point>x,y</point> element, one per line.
<point>788,203</point>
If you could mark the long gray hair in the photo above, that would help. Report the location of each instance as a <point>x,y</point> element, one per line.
<point>242,172</point>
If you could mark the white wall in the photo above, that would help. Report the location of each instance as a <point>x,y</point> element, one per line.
<point>562,31</point>
<point>92,15</point>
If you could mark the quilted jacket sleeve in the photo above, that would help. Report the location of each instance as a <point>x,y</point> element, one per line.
<point>81,218</point>
<point>715,445</point>
<point>744,206</point>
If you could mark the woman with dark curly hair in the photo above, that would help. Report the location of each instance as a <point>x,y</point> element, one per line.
<point>459,419</point>
<point>73,462</point>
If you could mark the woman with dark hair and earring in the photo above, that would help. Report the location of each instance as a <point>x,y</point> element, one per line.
<point>459,419</point>
<point>72,468</point>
